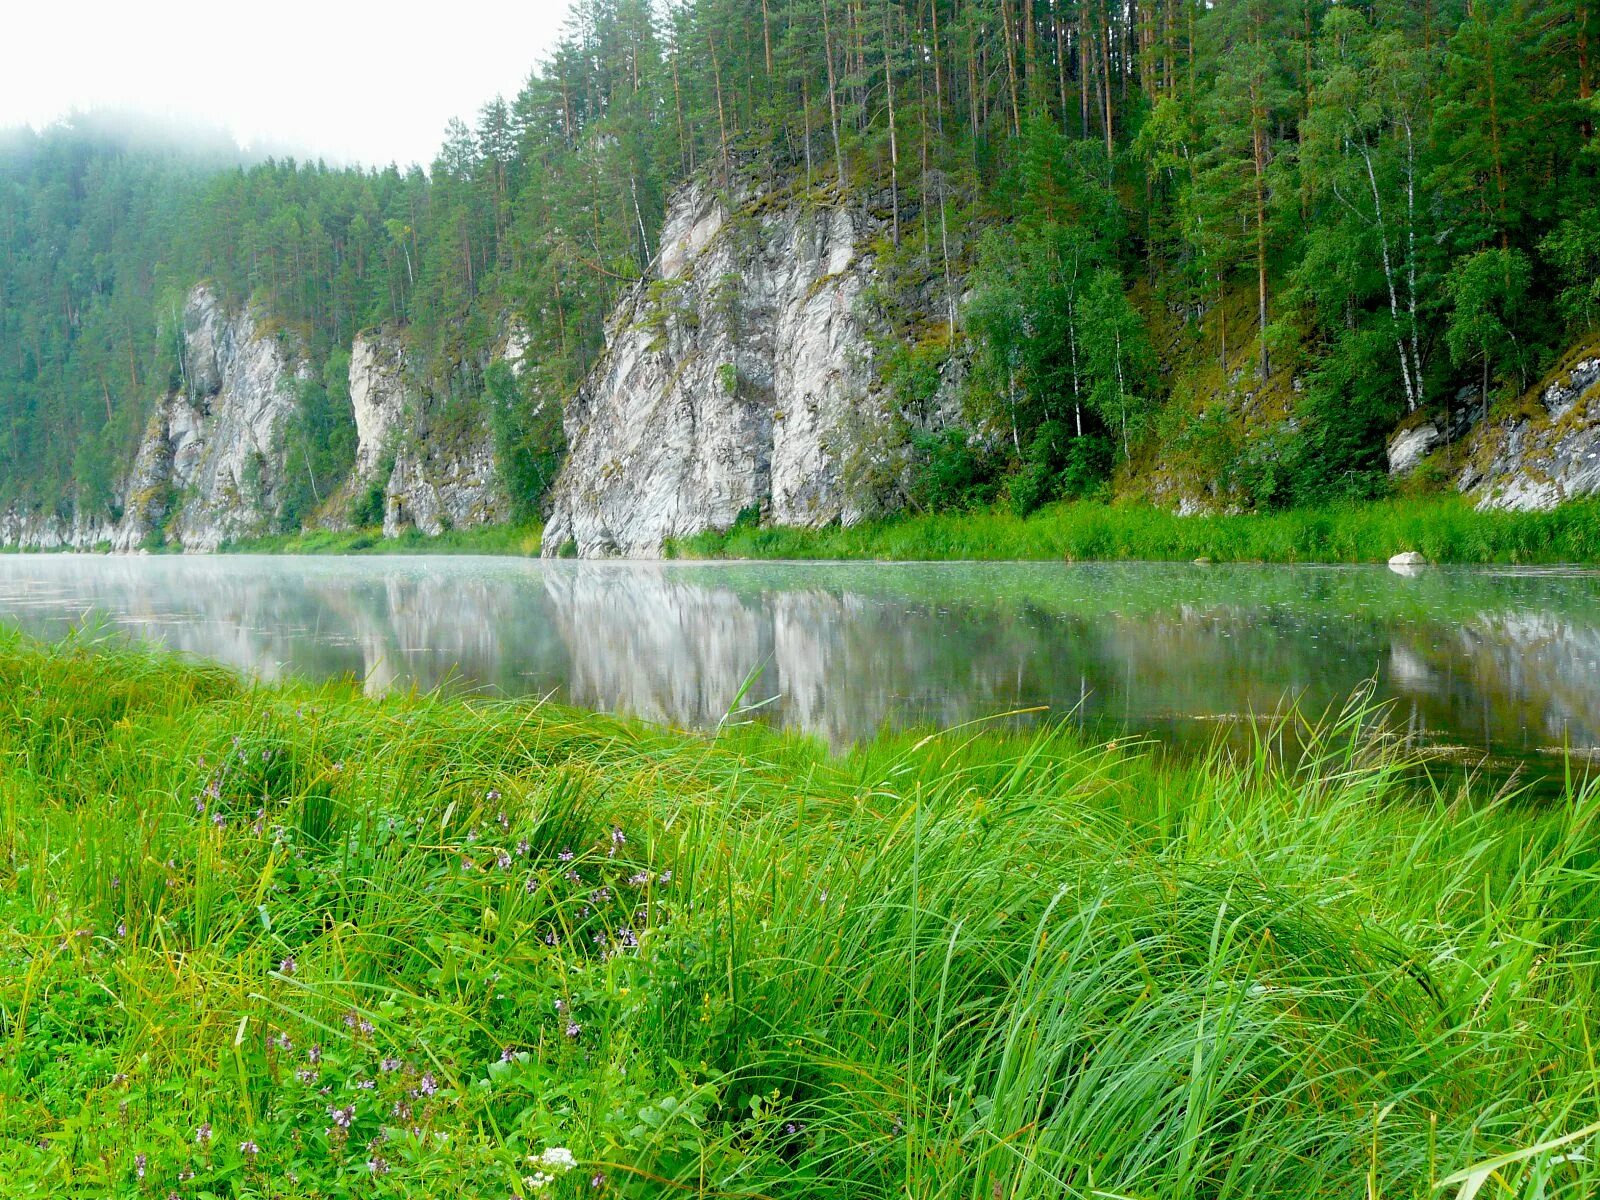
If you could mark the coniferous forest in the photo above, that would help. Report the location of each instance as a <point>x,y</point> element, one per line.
<point>1129,211</point>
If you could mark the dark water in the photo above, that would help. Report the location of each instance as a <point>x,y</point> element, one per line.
<point>1503,663</point>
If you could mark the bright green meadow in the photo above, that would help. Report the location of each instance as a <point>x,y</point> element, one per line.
<point>295,942</point>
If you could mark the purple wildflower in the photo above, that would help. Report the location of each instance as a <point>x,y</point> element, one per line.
<point>202,1135</point>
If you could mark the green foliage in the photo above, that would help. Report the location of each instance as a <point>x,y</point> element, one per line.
<point>320,443</point>
<point>528,437</point>
<point>513,540</point>
<point>951,471</point>
<point>1486,291</point>
<point>1059,466</point>
<point>367,507</point>
<point>1574,248</point>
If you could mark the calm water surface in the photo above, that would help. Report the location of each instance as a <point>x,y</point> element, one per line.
<point>1498,662</point>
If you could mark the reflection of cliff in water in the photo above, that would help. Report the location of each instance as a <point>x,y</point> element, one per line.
<point>1512,664</point>
<point>1516,680</point>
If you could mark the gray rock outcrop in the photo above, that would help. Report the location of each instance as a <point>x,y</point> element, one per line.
<point>1538,458</point>
<point>731,383</point>
<point>210,467</point>
<point>437,468</point>
<point>212,464</point>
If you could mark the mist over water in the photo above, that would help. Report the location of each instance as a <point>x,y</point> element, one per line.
<point>1503,663</point>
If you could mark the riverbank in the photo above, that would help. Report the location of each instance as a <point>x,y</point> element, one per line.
<point>517,541</point>
<point>1444,530</point>
<point>294,934</point>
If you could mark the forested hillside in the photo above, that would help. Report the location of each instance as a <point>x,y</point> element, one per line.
<point>1253,236</point>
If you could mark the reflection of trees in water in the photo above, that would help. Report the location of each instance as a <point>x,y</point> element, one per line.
<point>847,651</point>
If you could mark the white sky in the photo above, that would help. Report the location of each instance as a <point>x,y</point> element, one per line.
<point>368,81</point>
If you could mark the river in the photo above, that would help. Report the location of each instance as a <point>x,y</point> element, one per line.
<point>1482,665</point>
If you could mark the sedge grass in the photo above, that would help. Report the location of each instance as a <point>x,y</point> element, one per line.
<point>302,943</point>
<point>1444,530</point>
<point>514,540</point>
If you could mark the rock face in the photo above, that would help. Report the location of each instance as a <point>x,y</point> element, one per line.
<point>210,467</point>
<point>443,484</point>
<point>435,466</point>
<point>1540,458</point>
<point>378,394</point>
<point>212,462</point>
<point>1408,447</point>
<point>730,383</point>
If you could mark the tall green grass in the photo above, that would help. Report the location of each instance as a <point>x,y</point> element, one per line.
<point>1445,530</point>
<point>517,540</point>
<point>973,965</point>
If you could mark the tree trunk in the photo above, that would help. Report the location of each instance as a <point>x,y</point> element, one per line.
<point>722,123</point>
<point>1011,66</point>
<point>833,97</point>
<point>894,141</point>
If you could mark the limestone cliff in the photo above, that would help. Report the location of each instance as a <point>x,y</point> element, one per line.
<point>434,463</point>
<point>210,467</point>
<point>731,382</point>
<point>1546,452</point>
